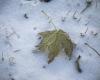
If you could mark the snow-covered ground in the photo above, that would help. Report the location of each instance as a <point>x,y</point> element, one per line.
<point>19,36</point>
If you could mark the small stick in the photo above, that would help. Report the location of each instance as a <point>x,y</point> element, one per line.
<point>92,49</point>
<point>88,4</point>
<point>79,19</point>
<point>94,33</point>
<point>68,12</point>
<point>50,19</point>
<point>11,60</point>
<point>45,0</point>
<point>26,16</point>
<point>17,50</point>
<point>78,64</point>
<point>86,30</point>
<point>64,18</point>
<point>44,66</point>
<point>2,57</point>
<point>83,34</point>
<point>74,15</point>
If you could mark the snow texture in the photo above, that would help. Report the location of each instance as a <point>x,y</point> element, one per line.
<point>22,20</point>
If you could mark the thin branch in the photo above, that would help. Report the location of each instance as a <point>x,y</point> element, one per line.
<point>78,64</point>
<point>26,16</point>
<point>50,19</point>
<point>86,30</point>
<point>74,15</point>
<point>79,19</point>
<point>83,34</point>
<point>64,18</point>
<point>2,57</point>
<point>88,4</point>
<point>17,50</point>
<point>92,49</point>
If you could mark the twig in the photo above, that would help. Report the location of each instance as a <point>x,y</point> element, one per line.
<point>26,16</point>
<point>50,19</point>
<point>68,12</point>
<point>79,19</point>
<point>2,57</point>
<point>86,30</point>
<point>64,18</point>
<point>88,4</point>
<point>78,64</point>
<point>45,0</point>
<point>92,49</point>
<point>74,15</point>
<point>83,34</point>
<point>17,50</point>
<point>94,33</point>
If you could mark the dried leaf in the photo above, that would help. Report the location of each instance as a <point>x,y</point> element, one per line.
<point>54,41</point>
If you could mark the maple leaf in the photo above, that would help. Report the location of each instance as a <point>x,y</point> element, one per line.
<point>54,41</point>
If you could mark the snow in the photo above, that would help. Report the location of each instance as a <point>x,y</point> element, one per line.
<point>19,36</point>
